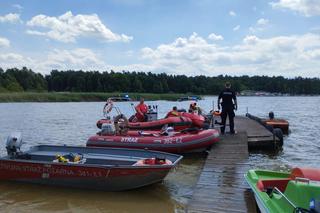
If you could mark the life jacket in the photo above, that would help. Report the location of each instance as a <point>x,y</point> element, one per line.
<point>143,108</point>
<point>173,113</point>
<point>216,113</point>
<point>62,159</point>
<point>140,118</point>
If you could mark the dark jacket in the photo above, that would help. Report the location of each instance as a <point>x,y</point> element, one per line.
<point>227,96</point>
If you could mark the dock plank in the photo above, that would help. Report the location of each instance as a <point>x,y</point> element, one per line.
<point>221,186</point>
<point>251,127</point>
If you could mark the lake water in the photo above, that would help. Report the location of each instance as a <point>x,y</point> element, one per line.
<point>73,123</point>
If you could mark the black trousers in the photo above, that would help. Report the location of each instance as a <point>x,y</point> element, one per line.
<point>230,113</point>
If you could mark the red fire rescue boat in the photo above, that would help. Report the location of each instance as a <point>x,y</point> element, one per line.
<point>175,142</point>
<point>178,123</point>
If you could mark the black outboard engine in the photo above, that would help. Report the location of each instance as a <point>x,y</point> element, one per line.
<point>152,114</point>
<point>108,129</point>
<point>13,144</point>
<point>271,115</point>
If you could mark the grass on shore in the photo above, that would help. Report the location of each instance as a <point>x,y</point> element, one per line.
<point>77,96</point>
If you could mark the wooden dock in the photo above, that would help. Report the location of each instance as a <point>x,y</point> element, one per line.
<point>258,136</point>
<point>221,186</point>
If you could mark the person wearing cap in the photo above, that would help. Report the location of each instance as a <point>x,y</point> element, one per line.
<point>228,104</point>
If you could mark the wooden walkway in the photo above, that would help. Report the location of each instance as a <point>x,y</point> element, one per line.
<point>221,186</point>
<point>258,135</point>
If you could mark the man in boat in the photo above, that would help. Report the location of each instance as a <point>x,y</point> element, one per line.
<point>228,104</point>
<point>141,110</point>
<point>174,112</point>
<point>195,109</point>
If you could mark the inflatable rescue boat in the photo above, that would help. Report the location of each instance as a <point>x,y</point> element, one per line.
<point>191,140</point>
<point>178,123</point>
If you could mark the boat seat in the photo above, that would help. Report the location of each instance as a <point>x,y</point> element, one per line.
<point>301,193</point>
<point>281,184</point>
<point>311,174</point>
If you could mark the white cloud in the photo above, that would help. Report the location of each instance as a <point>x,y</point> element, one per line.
<point>10,60</point>
<point>312,54</point>
<point>261,25</point>
<point>10,18</point>
<point>4,42</point>
<point>79,58</point>
<point>283,55</point>
<point>69,27</point>
<point>232,13</point>
<point>17,6</point>
<point>236,28</point>
<point>75,59</point>
<point>305,7</point>
<point>11,57</point>
<point>262,22</point>
<point>215,37</point>
<point>130,67</point>
<point>250,40</point>
<point>129,53</point>
<point>34,32</point>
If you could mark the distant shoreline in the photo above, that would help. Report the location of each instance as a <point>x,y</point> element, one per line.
<point>16,97</point>
<point>78,96</point>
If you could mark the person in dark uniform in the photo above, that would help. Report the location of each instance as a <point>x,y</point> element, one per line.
<point>229,104</point>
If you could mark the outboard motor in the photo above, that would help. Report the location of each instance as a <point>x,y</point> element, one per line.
<point>152,114</point>
<point>13,144</point>
<point>271,115</point>
<point>108,129</point>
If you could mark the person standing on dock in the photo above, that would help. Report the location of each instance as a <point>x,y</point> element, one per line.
<point>229,104</point>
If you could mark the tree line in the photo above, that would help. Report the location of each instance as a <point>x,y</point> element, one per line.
<point>18,80</point>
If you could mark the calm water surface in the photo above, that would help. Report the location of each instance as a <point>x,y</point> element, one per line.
<point>73,123</point>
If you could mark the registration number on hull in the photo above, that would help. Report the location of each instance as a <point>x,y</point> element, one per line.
<point>129,140</point>
<point>172,140</point>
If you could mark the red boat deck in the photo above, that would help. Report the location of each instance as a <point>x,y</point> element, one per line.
<point>221,186</point>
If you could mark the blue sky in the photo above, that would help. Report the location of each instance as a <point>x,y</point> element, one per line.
<point>191,37</point>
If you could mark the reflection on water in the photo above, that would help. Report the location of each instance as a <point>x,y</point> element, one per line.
<point>169,196</point>
<point>32,198</point>
<point>73,123</point>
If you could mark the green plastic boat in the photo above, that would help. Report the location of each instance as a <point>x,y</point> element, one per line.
<point>298,191</point>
